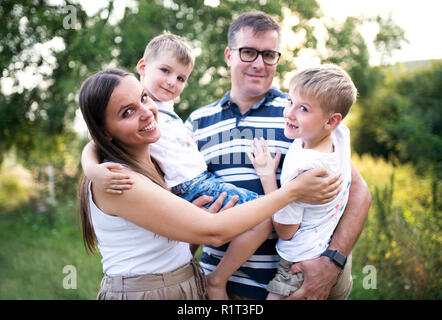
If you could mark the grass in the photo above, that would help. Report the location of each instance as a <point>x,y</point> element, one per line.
<point>33,255</point>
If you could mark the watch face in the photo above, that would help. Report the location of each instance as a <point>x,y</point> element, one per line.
<point>340,258</point>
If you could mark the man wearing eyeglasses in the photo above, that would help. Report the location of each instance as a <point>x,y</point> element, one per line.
<point>223,131</point>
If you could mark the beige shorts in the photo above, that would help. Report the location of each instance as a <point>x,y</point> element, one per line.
<point>184,283</point>
<point>284,283</point>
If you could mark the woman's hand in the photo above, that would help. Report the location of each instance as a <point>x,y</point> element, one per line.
<point>314,187</point>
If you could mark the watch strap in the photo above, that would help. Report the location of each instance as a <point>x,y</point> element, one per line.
<point>336,257</point>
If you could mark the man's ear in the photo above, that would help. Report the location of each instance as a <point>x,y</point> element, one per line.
<point>228,55</point>
<point>141,67</point>
<point>333,121</point>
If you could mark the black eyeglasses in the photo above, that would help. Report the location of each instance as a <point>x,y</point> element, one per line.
<point>247,54</point>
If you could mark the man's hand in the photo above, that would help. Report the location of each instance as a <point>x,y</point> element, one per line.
<point>216,205</point>
<point>320,276</point>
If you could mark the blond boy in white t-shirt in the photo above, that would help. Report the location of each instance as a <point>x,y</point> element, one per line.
<point>319,98</point>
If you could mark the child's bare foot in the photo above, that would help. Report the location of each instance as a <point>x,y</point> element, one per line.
<point>215,290</point>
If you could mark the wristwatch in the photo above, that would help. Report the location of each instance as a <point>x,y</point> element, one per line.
<point>337,257</point>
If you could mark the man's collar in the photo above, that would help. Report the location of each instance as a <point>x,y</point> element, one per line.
<point>270,95</point>
<point>225,100</point>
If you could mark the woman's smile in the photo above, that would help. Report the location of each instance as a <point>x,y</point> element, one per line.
<point>149,127</point>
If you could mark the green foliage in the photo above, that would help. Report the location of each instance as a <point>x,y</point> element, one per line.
<point>389,37</point>
<point>402,235</point>
<point>348,49</point>
<point>34,252</point>
<point>46,110</point>
<point>16,187</point>
<point>403,119</point>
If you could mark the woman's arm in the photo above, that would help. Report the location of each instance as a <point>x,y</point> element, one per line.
<point>163,213</point>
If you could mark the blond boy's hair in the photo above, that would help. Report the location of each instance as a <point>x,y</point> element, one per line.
<point>329,84</point>
<point>170,42</point>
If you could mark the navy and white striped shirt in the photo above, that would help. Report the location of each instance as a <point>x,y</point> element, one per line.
<point>223,136</point>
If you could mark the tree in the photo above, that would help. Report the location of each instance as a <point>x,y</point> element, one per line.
<point>46,109</point>
<point>90,43</point>
<point>347,48</point>
<point>404,117</point>
<point>416,130</point>
<point>75,45</point>
<point>389,38</point>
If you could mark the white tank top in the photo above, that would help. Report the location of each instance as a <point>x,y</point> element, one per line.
<point>129,250</point>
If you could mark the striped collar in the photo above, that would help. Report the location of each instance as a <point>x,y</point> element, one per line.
<point>273,93</point>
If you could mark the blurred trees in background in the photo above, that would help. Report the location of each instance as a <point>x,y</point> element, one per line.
<point>47,51</point>
<point>404,118</point>
<point>401,237</point>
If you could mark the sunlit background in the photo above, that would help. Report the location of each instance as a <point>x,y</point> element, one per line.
<point>420,20</point>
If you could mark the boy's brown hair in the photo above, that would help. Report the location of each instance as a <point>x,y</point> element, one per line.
<point>329,84</point>
<point>167,41</point>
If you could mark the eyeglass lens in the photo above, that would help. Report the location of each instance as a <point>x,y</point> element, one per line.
<point>250,55</point>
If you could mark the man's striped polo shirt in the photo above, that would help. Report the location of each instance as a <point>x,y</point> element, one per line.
<point>223,136</point>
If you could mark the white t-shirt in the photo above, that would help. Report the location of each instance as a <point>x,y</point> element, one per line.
<point>130,250</point>
<point>318,222</point>
<point>176,152</point>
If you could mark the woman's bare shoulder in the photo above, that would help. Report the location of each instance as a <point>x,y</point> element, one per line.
<point>116,204</point>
